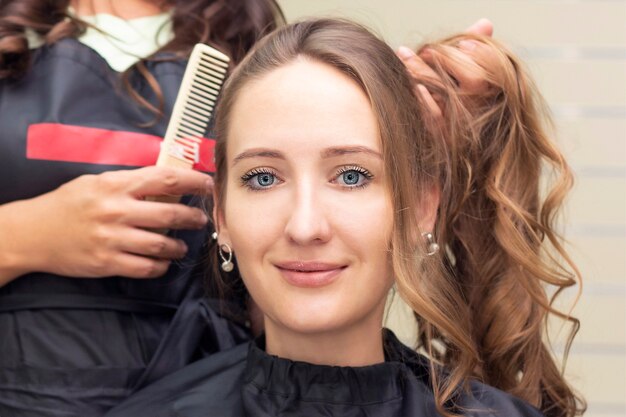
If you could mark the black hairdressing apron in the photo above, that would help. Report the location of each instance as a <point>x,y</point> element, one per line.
<point>77,347</point>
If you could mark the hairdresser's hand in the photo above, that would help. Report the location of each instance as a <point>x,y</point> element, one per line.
<point>99,225</point>
<point>471,79</point>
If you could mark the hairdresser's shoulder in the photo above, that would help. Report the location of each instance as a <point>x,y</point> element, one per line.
<point>190,392</point>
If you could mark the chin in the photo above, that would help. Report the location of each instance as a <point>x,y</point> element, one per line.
<point>309,325</point>
<point>305,316</point>
<point>317,318</point>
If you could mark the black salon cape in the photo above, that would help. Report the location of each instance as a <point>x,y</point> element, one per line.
<point>247,382</point>
<point>77,347</point>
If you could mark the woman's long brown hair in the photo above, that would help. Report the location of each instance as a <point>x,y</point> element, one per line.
<point>232,26</point>
<point>505,187</point>
<point>481,304</point>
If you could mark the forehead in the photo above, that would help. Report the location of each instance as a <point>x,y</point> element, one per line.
<point>304,105</point>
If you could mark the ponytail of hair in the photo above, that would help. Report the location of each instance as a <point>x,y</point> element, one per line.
<point>501,191</point>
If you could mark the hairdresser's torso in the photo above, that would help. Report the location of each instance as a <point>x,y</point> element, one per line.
<point>84,344</point>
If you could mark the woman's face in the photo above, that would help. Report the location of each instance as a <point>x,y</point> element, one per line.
<point>307,212</point>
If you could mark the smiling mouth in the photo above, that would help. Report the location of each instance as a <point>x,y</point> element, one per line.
<point>310,274</point>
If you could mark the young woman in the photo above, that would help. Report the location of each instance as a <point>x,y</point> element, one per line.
<point>330,191</point>
<point>84,88</point>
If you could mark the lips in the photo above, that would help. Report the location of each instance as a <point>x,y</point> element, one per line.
<point>309,274</point>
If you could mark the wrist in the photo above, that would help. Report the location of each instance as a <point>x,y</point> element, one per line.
<point>14,258</point>
<point>10,268</point>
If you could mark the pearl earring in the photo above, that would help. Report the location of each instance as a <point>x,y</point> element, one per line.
<point>227,262</point>
<point>433,247</point>
<point>227,265</point>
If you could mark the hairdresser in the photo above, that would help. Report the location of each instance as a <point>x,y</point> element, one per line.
<point>85,90</point>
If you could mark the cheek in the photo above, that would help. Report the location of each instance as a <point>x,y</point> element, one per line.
<point>365,229</point>
<point>367,225</point>
<point>253,221</point>
<point>251,233</point>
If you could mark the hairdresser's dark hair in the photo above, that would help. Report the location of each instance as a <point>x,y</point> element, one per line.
<point>232,26</point>
<point>481,304</point>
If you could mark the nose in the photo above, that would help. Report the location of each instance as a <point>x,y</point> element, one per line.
<point>308,223</point>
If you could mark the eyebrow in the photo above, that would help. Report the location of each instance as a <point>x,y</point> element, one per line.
<point>346,150</point>
<point>258,152</point>
<point>326,153</point>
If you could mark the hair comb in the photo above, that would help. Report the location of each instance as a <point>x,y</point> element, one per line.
<point>205,73</point>
<point>193,108</point>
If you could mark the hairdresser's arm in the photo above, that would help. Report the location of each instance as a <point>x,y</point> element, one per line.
<point>95,226</point>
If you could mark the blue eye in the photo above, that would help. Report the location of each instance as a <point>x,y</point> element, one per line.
<point>259,179</point>
<point>265,180</point>
<point>353,177</point>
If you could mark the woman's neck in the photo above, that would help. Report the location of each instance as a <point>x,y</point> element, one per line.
<point>126,9</point>
<point>359,345</point>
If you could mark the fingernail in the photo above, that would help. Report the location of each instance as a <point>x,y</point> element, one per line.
<point>467,45</point>
<point>184,246</point>
<point>405,53</point>
<point>426,53</point>
<point>423,92</point>
<point>209,184</point>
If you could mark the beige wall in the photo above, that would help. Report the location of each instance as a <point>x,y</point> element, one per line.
<point>577,53</point>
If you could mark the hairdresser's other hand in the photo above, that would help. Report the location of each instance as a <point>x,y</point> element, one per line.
<point>100,225</point>
<point>470,81</point>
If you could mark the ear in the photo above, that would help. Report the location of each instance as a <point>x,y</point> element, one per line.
<point>220,221</point>
<point>426,209</point>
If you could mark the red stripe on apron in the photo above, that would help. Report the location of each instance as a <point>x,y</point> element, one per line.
<point>69,143</point>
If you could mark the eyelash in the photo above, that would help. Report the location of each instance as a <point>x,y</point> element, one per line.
<point>368,175</point>
<point>245,178</point>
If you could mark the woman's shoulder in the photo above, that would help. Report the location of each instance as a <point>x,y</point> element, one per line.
<point>478,400</point>
<point>246,380</point>
<point>484,400</point>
